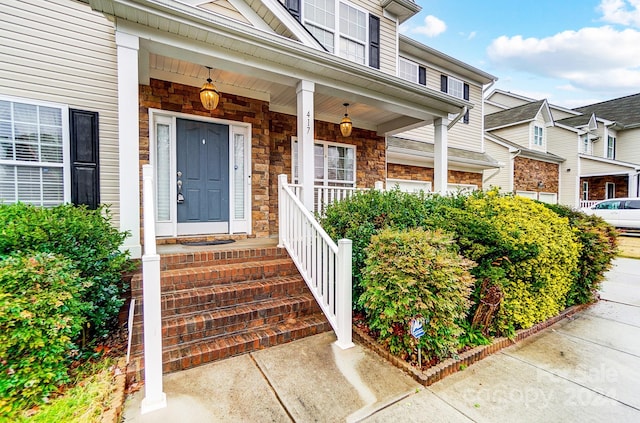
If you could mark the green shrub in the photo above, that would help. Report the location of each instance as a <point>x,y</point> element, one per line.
<point>416,274</point>
<point>83,236</point>
<point>599,246</point>
<point>363,215</point>
<point>537,272</point>
<point>41,313</point>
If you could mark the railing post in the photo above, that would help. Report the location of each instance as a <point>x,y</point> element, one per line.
<point>154,397</point>
<point>344,294</point>
<point>282,182</point>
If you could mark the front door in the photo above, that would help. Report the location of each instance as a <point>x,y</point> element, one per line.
<point>202,151</point>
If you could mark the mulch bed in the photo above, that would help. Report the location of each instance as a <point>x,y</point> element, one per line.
<point>436,371</point>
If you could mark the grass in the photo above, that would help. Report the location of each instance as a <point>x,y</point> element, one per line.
<point>85,399</point>
<point>629,246</point>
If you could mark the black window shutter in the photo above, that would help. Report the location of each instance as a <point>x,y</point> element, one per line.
<point>422,75</point>
<point>374,41</point>
<point>465,94</point>
<point>443,83</point>
<point>85,185</point>
<point>293,6</point>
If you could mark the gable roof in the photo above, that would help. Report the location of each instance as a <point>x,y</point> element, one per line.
<point>525,152</point>
<point>624,110</point>
<point>515,115</point>
<point>576,121</point>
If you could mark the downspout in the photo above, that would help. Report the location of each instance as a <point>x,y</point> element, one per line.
<point>463,112</point>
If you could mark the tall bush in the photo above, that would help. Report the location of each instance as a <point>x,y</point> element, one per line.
<point>41,314</point>
<point>416,274</point>
<point>83,236</point>
<point>538,274</point>
<point>365,214</point>
<point>599,246</point>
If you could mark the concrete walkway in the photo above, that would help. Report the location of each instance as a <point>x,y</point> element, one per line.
<point>579,370</point>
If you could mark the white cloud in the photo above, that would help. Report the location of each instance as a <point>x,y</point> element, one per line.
<point>619,12</point>
<point>591,58</point>
<point>432,27</point>
<point>472,35</point>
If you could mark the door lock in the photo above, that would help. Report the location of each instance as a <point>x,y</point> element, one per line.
<point>180,198</point>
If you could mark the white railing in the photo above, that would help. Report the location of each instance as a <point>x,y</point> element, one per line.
<point>585,204</point>
<point>324,265</point>
<point>325,195</point>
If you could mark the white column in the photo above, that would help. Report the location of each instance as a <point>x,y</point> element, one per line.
<point>128,135</point>
<point>440,158</point>
<point>154,397</point>
<point>344,294</point>
<point>633,184</point>
<point>306,132</point>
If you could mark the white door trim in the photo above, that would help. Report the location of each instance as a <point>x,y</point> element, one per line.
<point>170,228</point>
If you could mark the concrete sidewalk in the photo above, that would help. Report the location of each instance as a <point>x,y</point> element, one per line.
<point>583,369</point>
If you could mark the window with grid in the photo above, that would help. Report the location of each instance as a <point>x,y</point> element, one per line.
<point>341,30</point>
<point>455,87</point>
<point>408,70</point>
<point>31,153</point>
<point>586,144</point>
<point>611,147</point>
<point>537,135</point>
<point>334,164</point>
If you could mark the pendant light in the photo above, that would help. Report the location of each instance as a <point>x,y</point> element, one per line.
<point>209,95</point>
<point>345,124</point>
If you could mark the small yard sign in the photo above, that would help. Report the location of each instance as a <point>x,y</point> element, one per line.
<point>417,330</point>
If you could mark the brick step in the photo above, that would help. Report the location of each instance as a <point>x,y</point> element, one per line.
<point>181,357</point>
<point>206,258</point>
<point>205,276</point>
<point>186,301</point>
<point>199,326</point>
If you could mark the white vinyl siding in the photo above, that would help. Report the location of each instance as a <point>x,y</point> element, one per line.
<point>518,134</point>
<point>502,178</point>
<point>61,52</point>
<point>627,145</point>
<point>566,144</point>
<point>388,36</point>
<point>464,136</point>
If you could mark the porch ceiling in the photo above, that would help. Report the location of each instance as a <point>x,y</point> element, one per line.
<point>177,40</point>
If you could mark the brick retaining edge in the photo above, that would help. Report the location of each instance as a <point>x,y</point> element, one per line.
<point>116,403</point>
<point>452,365</point>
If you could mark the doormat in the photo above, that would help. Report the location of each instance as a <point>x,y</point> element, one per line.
<point>202,243</point>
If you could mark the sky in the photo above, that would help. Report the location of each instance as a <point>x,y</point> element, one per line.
<point>571,52</point>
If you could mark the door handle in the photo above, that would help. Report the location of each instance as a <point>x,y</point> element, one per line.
<point>180,198</point>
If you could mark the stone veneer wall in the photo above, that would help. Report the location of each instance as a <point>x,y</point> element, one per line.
<point>527,173</point>
<point>370,154</point>
<point>175,97</point>
<point>597,186</point>
<point>425,174</point>
<point>270,142</point>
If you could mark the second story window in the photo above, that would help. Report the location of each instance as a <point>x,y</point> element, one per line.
<point>408,70</point>
<point>586,145</point>
<point>538,135</point>
<point>611,147</point>
<point>455,87</point>
<point>341,29</point>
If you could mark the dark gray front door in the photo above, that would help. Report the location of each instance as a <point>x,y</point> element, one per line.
<point>203,172</point>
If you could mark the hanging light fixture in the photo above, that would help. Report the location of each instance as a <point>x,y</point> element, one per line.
<point>345,124</point>
<point>209,95</point>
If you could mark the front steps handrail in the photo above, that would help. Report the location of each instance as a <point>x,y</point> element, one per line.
<point>324,265</point>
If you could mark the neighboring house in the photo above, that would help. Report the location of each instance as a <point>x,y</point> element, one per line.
<point>590,160</point>
<point>518,138</point>
<point>92,90</point>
